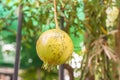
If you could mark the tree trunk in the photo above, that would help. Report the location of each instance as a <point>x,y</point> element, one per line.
<point>116,68</point>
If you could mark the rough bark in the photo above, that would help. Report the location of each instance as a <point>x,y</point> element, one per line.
<point>116,68</point>
<point>117,38</point>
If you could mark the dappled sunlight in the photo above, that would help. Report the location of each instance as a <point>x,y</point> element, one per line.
<point>8,52</point>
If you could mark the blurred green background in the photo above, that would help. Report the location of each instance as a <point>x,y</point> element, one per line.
<point>93,26</point>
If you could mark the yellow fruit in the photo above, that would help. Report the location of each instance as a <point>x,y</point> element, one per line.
<point>54,47</point>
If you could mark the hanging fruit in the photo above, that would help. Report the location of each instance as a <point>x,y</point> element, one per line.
<point>54,47</point>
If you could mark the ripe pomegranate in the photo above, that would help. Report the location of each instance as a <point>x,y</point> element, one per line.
<point>54,47</point>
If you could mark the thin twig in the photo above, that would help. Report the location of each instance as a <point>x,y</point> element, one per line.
<point>55,14</point>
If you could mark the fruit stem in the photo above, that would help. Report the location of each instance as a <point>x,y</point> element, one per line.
<point>55,14</point>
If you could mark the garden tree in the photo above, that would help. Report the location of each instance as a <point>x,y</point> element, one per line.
<point>38,17</point>
<point>98,59</point>
<point>117,49</point>
<point>100,24</point>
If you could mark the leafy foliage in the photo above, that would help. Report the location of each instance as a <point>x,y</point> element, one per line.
<point>88,17</point>
<point>97,62</point>
<point>38,17</point>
